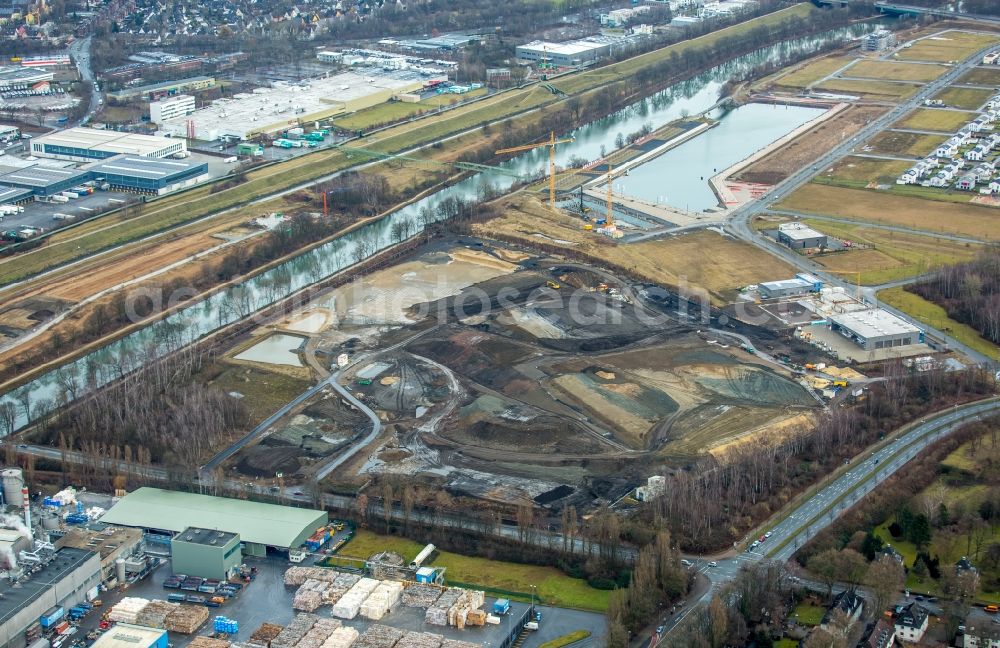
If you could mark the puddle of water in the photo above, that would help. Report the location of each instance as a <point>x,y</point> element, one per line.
<point>277,349</point>
<point>308,322</point>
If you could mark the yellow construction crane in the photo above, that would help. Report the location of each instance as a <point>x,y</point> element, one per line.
<point>610,218</point>
<point>551,143</point>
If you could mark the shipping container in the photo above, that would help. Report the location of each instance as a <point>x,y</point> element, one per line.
<point>50,618</point>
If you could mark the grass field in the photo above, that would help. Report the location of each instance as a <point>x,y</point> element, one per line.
<point>719,264</point>
<point>896,255</point>
<point>936,119</point>
<point>881,207</point>
<point>893,71</point>
<point>898,143</point>
<point>566,639</point>
<point>554,587</point>
<point>879,90</point>
<point>808,614</point>
<point>982,76</point>
<point>397,110</point>
<point>933,315</point>
<point>813,71</point>
<point>853,171</point>
<point>949,46</point>
<point>264,392</point>
<point>965,98</point>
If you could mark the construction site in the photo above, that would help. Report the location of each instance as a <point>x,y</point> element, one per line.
<point>511,376</point>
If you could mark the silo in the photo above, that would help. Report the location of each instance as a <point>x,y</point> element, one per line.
<point>120,570</point>
<point>12,480</point>
<point>50,522</point>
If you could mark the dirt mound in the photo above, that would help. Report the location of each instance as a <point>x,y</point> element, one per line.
<point>261,461</point>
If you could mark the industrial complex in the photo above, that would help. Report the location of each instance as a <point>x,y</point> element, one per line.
<point>89,144</point>
<point>258,526</point>
<point>283,106</point>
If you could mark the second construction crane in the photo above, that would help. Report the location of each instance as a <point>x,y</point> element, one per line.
<point>552,142</point>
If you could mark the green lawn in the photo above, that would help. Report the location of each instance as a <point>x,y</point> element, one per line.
<point>812,72</point>
<point>392,111</point>
<point>808,614</point>
<point>566,639</point>
<point>786,643</point>
<point>935,316</point>
<point>554,587</point>
<point>936,119</point>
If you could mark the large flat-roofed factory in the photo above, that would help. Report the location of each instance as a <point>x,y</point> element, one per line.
<point>285,105</point>
<point>89,144</point>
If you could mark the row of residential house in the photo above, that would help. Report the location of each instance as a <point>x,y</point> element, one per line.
<point>947,165</point>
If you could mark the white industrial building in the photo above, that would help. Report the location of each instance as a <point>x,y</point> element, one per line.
<point>284,105</point>
<point>875,329</point>
<point>800,237</point>
<point>576,53</point>
<point>176,106</point>
<point>90,144</point>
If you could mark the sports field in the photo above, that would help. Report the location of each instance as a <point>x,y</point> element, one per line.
<point>881,207</point>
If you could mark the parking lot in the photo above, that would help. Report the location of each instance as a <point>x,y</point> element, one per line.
<point>267,599</point>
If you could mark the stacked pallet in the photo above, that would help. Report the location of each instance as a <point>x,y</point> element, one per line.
<point>421,595</point>
<point>467,602</point>
<point>262,636</point>
<point>127,610</point>
<point>310,595</point>
<point>155,614</point>
<point>299,575</point>
<point>209,642</point>
<point>381,600</point>
<point>420,640</point>
<point>379,636</point>
<point>339,587</point>
<point>341,638</point>
<point>186,619</point>
<point>350,603</point>
<point>319,633</point>
<point>294,631</point>
<point>437,614</point>
<point>476,618</point>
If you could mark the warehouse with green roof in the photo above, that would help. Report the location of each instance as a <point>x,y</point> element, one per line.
<point>258,525</point>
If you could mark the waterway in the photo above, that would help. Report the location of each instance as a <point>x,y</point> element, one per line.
<point>277,349</point>
<point>38,397</point>
<point>679,177</point>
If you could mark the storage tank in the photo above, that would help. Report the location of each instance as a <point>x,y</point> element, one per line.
<point>50,522</point>
<point>12,480</point>
<point>424,554</point>
<point>120,570</point>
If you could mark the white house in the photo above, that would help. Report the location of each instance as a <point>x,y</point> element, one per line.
<point>910,622</point>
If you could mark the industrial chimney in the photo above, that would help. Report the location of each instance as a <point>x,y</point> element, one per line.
<point>27,508</point>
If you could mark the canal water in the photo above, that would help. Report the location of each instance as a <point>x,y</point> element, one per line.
<point>680,176</point>
<point>38,397</point>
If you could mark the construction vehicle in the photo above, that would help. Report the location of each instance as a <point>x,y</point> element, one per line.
<point>551,143</point>
<point>553,285</point>
<point>841,383</point>
<point>365,381</point>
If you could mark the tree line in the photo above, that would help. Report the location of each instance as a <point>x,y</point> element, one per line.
<point>969,293</point>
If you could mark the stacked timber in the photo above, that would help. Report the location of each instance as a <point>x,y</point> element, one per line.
<point>437,614</point>
<point>420,640</point>
<point>319,633</point>
<point>379,636</point>
<point>339,587</point>
<point>350,603</point>
<point>310,595</point>
<point>294,631</point>
<point>127,610</point>
<point>262,636</point>
<point>186,619</point>
<point>155,614</point>
<point>475,618</point>
<point>421,595</point>
<point>381,600</point>
<point>343,637</point>
<point>209,642</point>
<point>468,601</point>
<point>299,575</point>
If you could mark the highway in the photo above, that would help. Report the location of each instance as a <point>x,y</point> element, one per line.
<point>892,7</point>
<point>739,223</point>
